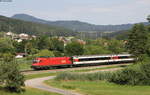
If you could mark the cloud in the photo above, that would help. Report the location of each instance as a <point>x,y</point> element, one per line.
<point>145,2</point>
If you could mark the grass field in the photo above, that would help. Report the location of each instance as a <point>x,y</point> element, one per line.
<point>29,91</point>
<point>100,88</point>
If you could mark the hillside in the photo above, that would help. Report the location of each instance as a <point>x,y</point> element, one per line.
<point>19,26</point>
<point>75,25</point>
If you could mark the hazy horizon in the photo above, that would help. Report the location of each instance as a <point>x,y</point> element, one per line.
<point>99,12</point>
<point>74,20</point>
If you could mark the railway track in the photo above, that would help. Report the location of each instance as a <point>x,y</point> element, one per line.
<point>27,72</point>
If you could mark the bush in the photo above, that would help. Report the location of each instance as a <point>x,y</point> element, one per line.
<point>11,77</point>
<point>145,68</point>
<point>137,75</point>
<point>128,76</point>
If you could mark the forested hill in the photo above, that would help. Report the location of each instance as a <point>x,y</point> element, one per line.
<point>20,26</point>
<point>76,25</point>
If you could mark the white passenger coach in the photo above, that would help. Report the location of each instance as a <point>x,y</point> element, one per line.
<point>95,59</point>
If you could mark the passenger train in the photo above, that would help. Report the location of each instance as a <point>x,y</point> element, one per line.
<point>49,62</point>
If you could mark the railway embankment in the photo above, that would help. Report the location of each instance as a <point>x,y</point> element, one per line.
<point>76,69</point>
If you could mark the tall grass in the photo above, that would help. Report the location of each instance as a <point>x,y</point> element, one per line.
<point>133,75</point>
<point>88,77</point>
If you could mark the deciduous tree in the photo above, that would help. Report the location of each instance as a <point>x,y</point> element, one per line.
<point>10,76</point>
<point>74,48</point>
<point>137,41</point>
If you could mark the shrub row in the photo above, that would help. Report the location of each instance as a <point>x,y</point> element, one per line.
<point>134,75</point>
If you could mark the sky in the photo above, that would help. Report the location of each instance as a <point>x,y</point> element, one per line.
<point>102,12</point>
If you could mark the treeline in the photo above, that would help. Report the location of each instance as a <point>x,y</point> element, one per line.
<point>19,26</point>
<point>53,46</point>
<point>76,25</point>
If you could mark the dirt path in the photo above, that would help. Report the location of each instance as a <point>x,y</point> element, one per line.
<point>39,84</point>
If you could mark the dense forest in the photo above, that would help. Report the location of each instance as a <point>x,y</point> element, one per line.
<point>19,26</point>
<point>76,25</point>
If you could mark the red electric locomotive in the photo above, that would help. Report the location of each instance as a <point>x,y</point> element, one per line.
<point>47,62</point>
